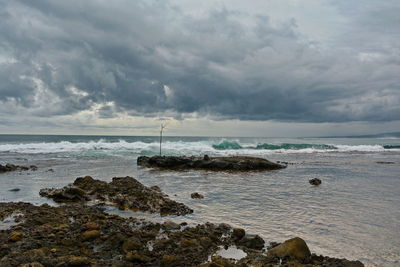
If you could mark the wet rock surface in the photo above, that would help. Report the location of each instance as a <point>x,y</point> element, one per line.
<point>235,163</point>
<point>196,195</point>
<point>11,167</point>
<point>79,235</point>
<point>124,192</point>
<point>315,181</point>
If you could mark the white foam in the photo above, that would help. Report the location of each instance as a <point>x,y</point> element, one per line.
<point>169,147</point>
<point>360,148</point>
<point>9,221</point>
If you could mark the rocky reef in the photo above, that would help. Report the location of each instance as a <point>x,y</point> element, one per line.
<point>123,192</point>
<point>80,235</point>
<point>11,167</point>
<point>234,163</point>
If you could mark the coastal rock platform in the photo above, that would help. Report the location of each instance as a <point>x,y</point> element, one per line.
<point>80,235</point>
<point>233,163</point>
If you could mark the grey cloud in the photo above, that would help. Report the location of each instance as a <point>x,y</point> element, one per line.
<point>126,52</point>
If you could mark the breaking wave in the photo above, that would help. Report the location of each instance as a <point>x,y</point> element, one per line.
<point>222,147</point>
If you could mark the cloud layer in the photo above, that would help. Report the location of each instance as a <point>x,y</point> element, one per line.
<point>159,58</point>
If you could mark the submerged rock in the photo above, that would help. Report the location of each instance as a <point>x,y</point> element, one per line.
<point>315,181</point>
<point>235,163</point>
<point>196,195</point>
<point>11,167</point>
<point>124,192</point>
<point>14,190</point>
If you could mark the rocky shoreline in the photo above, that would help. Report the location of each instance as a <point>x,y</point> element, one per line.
<point>233,163</point>
<point>78,234</point>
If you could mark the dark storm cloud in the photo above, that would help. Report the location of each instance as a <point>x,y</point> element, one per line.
<point>150,58</point>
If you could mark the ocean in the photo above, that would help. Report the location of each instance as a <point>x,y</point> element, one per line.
<point>353,214</point>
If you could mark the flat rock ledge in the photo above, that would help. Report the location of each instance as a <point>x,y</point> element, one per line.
<point>8,167</point>
<point>79,235</point>
<point>234,163</point>
<point>123,192</point>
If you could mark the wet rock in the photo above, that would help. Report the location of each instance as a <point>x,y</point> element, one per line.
<point>15,236</point>
<point>238,233</point>
<point>124,192</point>
<point>235,163</point>
<point>196,196</point>
<point>52,236</point>
<point>295,248</point>
<point>67,194</point>
<point>169,226</point>
<point>11,167</point>
<point>33,167</point>
<point>251,241</point>
<point>206,157</point>
<point>14,190</point>
<point>315,181</point>
<point>156,188</point>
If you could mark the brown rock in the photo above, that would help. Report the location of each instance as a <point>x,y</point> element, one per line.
<point>134,256</point>
<point>169,260</point>
<point>15,236</point>
<point>238,233</point>
<point>32,264</point>
<point>91,226</point>
<point>251,241</point>
<point>169,226</point>
<point>90,235</point>
<point>295,248</point>
<point>77,261</point>
<point>130,244</point>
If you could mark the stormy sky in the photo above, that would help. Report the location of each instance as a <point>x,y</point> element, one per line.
<point>232,68</point>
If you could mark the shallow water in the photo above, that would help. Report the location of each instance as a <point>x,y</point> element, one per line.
<point>353,214</point>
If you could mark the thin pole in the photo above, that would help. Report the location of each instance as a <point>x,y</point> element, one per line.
<point>160,139</point>
<point>161,131</point>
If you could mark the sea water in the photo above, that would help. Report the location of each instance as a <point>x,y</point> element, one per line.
<point>353,214</point>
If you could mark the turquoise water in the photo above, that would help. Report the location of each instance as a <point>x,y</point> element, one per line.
<point>353,214</point>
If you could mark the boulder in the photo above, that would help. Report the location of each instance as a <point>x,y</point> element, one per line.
<point>295,248</point>
<point>238,233</point>
<point>251,241</point>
